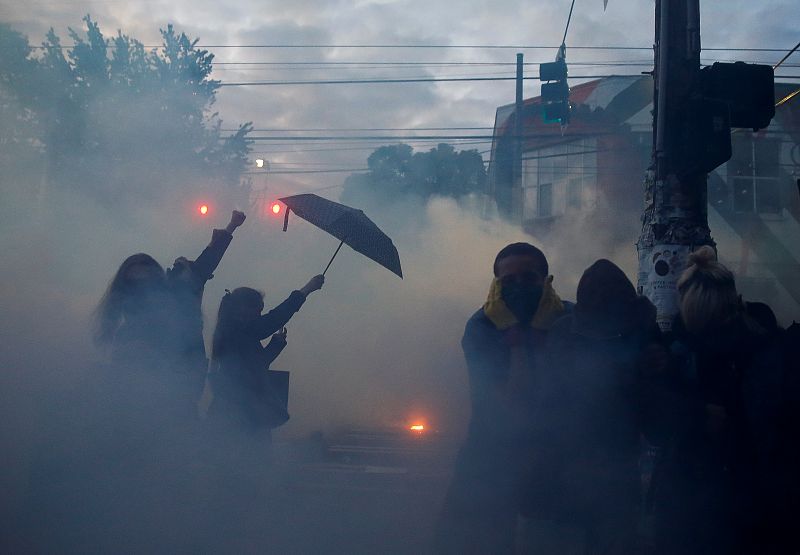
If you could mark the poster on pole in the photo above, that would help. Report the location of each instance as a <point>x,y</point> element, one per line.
<point>660,267</point>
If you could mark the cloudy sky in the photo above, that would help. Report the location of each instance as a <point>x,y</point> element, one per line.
<point>231,29</point>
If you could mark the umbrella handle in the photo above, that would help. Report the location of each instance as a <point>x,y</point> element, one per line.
<point>334,256</point>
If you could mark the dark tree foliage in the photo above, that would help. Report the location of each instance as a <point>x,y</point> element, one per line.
<point>109,118</point>
<point>397,171</point>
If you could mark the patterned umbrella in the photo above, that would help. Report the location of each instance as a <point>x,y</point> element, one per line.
<point>349,225</point>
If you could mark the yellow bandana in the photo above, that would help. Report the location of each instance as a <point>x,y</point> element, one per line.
<point>550,307</point>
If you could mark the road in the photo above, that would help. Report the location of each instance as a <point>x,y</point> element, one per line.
<point>360,492</point>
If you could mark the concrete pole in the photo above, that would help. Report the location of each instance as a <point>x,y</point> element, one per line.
<point>516,184</point>
<point>675,220</point>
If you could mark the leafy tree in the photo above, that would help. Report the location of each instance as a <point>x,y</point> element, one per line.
<point>115,120</point>
<point>396,171</point>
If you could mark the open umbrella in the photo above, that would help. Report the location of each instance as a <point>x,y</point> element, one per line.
<point>349,225</point>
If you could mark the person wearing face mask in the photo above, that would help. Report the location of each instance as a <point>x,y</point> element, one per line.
<point>502,344</point>
<point>717,491</point>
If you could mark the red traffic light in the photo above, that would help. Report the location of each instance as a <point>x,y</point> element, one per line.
<point>203,209</point>
<point>275,208</point>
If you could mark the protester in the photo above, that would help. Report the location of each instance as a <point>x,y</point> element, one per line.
<point>145,444</point>
<point>242,393</point>
<point>186,280</point>
<point>584,472</point>
<point>134,316</point>
<point>721,410</point>
<point>152,317</point>
<point>502,345</point>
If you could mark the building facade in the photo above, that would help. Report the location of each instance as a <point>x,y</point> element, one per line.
<point>592,171</point>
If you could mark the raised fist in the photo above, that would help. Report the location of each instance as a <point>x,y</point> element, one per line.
<point>237,218</point>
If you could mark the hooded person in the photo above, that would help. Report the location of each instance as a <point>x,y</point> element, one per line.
<point>588,412</point>
<point>502,346</point>
<point>721,411</point>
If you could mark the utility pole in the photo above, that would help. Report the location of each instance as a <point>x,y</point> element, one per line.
<point>516,181</point>
<point>675,220</point>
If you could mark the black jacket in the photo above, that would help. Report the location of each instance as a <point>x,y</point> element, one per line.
<point>187,289</point>
<point>721,411</point>
<point>589,414</point>
<point>239,374</point>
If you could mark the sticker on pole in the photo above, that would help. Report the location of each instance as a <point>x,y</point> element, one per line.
<point>663,265</point>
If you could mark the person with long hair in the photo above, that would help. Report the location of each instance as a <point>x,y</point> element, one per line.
<point>133,314</point>
<point>721,411</point>
<point>243,395</point>
<point>151,314</point>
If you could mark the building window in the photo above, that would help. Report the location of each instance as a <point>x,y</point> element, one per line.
<point>559,179</point>
<point>743,197</point>
<point>753,171</point>
<point>545,200</point>
<point>574,194</point>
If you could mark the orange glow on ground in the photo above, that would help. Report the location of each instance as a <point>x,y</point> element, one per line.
<point>203,209</point>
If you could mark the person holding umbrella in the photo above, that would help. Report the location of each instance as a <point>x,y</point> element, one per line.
<point>238,380</point>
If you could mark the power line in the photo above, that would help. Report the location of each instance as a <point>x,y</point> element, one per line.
<point>420,63</point>
<point>370,137</point>
<point>569,20</point>
<point>280,130</point>
<point>412,137</point>
<point>419,80</point>
<point>792,51</point>
<point>286,172</point>
<point>436,46</point>
<point>360,148</point>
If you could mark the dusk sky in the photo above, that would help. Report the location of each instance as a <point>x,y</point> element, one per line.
<point>338,107</point>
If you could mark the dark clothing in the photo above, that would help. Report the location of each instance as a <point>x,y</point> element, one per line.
<point>588,423</point>
<point>146,336</point>
<point>721,407</point>
<point>242,390</point>
<point>482,504</point>
<point>163,325</point>
<point>187,288</point>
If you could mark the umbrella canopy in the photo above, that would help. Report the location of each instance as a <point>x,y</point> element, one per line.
<point>351,226</point>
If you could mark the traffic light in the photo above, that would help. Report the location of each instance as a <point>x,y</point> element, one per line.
<point>275,209</point>
<point>203,209</point>
<point>555,92</point>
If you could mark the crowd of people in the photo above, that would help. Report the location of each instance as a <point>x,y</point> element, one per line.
<point>153,318</point>
<point>567,398</point>
<point>163,448</point>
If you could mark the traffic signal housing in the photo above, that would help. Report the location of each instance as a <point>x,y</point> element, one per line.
<point>730,95</point>
<point>555,92</point>
<point>704,142</point>
<point>747,89</point>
